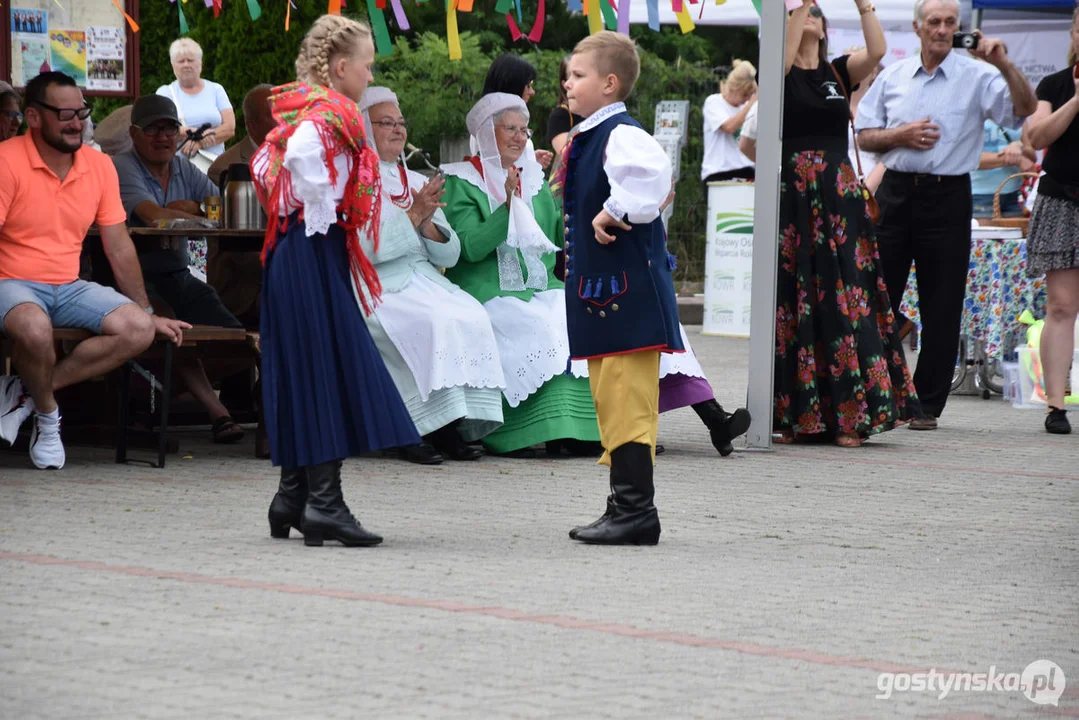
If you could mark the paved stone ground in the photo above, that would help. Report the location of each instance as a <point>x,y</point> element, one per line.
<point>784,583</point>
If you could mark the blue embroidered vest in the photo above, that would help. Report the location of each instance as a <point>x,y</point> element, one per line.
<point>619,297</point>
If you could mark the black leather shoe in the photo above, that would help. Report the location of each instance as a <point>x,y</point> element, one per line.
<point>422,454</point>
<point>286,509</point>
<point>1056,422</point>
<point>632,517</point>
<point>723,427</point>
<point>449,443</point>
<point>326,516</point>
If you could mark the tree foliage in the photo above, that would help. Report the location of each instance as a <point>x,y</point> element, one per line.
<point>436,93</point>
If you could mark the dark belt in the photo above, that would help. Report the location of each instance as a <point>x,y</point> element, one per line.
<point>928,178</point>
<point>815,143</point>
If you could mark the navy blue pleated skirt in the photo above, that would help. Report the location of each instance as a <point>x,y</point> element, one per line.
<point>326,390</point>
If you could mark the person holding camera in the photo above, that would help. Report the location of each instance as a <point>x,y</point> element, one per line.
<point>925,115</point>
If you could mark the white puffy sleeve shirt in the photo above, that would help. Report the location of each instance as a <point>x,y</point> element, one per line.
<point>305,159</point>
<point>639,173</point>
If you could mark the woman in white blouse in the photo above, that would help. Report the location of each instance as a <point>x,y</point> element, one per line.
<point>199,102</point>
<point>326,391</point>
<point>724,114</point>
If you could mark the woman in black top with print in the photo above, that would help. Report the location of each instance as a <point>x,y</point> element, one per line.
<point>840,370</point>
<point>1053,238</point>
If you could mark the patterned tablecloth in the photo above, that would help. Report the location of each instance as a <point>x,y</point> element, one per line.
<point>197,251</point>
<point>998,290</point>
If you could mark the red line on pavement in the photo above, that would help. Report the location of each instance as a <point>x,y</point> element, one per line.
<point>560,621</point>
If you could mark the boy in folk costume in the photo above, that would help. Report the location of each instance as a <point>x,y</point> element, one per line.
<point>620,305</point>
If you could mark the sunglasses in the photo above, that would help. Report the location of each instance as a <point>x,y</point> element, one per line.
<point>167,131</point>
<point>66,114</point>
<point>12,115</point>
<point>814,11</point>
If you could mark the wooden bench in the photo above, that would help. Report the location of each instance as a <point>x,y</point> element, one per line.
<point>200,334</point>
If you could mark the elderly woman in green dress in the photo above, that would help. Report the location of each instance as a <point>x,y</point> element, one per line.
<point>436,340</point>
<point>509,225</point>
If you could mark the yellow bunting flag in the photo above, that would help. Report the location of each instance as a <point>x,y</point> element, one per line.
<point>453,39</point>
<point>130,20</point>
<point>334,8</point>
<point>685,22</point>
<point>288,13</point>
<point>595,18</point>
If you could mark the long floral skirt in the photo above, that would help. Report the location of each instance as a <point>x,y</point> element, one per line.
<point>839,362</point>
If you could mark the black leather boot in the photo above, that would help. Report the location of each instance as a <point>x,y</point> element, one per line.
<point>286,510</point>
<point>326,515</point>
<point>601,519</point>
<point>722,426</point>
<point>633,518</point>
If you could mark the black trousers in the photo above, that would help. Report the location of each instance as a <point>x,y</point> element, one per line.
<point>926,218</point>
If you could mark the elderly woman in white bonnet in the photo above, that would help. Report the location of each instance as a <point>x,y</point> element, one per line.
<point>510,226</point>
<point>436,340</point>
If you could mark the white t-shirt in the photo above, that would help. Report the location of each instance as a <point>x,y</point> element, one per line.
<point>721,153</point>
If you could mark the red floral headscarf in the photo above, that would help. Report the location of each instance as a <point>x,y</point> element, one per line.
<point>340,126</point>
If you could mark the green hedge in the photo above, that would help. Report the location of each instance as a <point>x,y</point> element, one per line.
<point>436,93</point>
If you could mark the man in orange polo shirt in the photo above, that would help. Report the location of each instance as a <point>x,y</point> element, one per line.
<point>52,189</point>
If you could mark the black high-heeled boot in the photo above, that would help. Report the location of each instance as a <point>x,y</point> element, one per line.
<point>632,518</point>
<point>286,509</point>
<point>326,516</point>
<point>723,427</point>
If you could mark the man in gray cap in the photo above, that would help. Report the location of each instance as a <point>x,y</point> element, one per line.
<point>155,185</point>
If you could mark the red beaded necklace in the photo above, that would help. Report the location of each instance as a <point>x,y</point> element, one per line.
<point>404,200</point>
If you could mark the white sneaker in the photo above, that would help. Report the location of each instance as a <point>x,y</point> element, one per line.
<point>46,449</point>
<point>15,406</point>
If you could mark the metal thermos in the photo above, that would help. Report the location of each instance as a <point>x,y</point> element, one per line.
<point>242,208</point>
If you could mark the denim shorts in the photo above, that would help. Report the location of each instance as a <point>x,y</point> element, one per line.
<point>78,304</point>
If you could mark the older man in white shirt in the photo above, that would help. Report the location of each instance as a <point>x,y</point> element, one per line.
<point>925,116</point>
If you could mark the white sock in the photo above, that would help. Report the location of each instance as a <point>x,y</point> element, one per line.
<point>50,417</point>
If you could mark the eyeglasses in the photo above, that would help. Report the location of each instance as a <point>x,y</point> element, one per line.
<point>12,115</point>
<point>390,124</point>
<point>66,114</point>
<point>168,131</point>
<point>514,130</point>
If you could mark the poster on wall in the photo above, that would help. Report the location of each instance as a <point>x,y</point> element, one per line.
<point>105,58</point>
<point>30,22</point>
<point>69,53</point>
<point>33,58</point>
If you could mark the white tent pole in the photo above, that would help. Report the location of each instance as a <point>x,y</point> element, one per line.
<point>762,321</point>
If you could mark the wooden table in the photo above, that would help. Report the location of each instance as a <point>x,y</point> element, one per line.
<point>227,239</point>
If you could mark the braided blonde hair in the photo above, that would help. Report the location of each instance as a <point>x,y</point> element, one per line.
<point>331,36</point>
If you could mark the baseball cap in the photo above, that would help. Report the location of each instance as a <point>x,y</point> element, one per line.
<point>148,109</point>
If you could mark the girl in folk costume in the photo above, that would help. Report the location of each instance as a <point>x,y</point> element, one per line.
<point>436,339</point>
<point>326,391</point>
<point>506,219</point>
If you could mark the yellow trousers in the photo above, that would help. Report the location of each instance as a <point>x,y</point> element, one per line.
<point>625,389</point>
